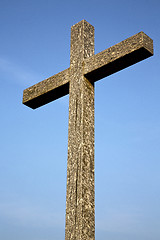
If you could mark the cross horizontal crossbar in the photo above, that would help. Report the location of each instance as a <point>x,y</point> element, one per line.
<point>111,60</point>
<point>118,57</point>
<point>47,90</point>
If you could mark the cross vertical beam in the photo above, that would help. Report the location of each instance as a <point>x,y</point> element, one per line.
<point>80,207</point>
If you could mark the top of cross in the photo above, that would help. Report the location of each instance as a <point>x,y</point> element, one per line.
<point>95,67</point>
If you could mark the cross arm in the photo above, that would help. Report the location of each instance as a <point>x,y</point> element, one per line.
<point>48,90</point>
<point>118,57</point>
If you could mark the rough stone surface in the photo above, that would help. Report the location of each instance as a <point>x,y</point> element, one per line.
<point>80,170</point>
<point>48,90</point>
<point>78,80</point>
<point>118,57</point>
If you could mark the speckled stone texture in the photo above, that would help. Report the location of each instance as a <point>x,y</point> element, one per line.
<point>118,57</point>
<point>48,90</point>
<point>78,80</point>
<point>80,171</point>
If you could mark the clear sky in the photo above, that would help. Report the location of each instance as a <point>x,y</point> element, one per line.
<point>34,45</point>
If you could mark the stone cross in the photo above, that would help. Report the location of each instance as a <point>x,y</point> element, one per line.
<point>78,80</point>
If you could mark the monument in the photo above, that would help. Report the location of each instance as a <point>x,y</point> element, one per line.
<point>78,80</point>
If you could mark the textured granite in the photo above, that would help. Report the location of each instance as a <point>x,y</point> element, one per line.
<point>118,57</point>
<point>47,90</point>
<point>78,80</point>
<point>80,169</point>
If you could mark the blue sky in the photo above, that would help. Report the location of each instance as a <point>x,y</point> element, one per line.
<point>35,44</point>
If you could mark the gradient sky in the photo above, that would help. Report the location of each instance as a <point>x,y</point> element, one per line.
<point>34,45</point>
